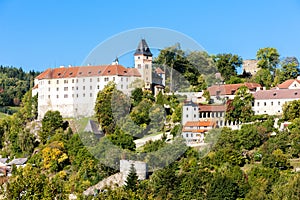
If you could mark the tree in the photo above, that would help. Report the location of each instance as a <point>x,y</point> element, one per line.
<point>132,179</point>
<point>291,110</point>
<point>103,110</point>
<point>240,108</point>
<point>227,64</point>
<point>289,69</point>
<point>268,58</point>
<point>50,123</point>
<point>137,96</point>
<point>263,77</point>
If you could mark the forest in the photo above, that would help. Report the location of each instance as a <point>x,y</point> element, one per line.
<point>257,161</point>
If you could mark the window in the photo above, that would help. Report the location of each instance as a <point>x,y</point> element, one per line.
<point>57,89</point>
<point>138,57</point>
<point>57,96</point>
<point>121,86</point>
<point>186,135</point>
<point>76,80</point>
<point>192,135</point>
<point>98,87</point>
<point>83,94</point>
<point>65,88</point>
<point>106,79</point>
<point>122,79</point>
<point>76,95</point>
<point>114,78</point>
<point>187,108</point>
<point>194,115</point>
<point>65,96</point>
<point>76,87</point>
<point>139,66</point>
<point>48,96</point>
<point>91,94</point>
<point>279,103</point>
<point>271,103</point>
<point>257,103</point>
<point>91,80</point>
<point>187,116</point>
<point>49,89</point>
<point>146,66</point>
<point>73,81</point>
<point>49,82</point>
<point>195,109</point>
<point>83,87</point>
<point>73,88</point>
<point>65,81</point>
<point>98,79</point>
<point>91,87</point>
<point>83,80</point>
<point>126,79</point>
<point>57,81</point>
<point>265,103</point>
<point>72,95</point>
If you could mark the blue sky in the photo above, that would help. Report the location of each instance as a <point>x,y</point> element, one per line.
<point>37,34</point>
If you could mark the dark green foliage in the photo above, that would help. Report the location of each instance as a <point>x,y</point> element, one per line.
<point>125,141</point>
<point>291,110</point>
<point>14,83</point>
<point>132,179</point>
<point>268,58</point>
<point>152,146</point>
<point>240,108</point>
<point>50,123</point>
<point>103,110</point>
<point>227,64</point>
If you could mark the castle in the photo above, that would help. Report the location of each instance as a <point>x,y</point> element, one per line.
<point>73,90</point>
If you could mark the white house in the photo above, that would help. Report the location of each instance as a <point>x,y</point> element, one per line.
<point>73,90</point>
<point>194,131</point>
<point>271,101</point>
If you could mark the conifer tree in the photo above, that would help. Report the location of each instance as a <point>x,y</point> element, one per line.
<point>132,179</point>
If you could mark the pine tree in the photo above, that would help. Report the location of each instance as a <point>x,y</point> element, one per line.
<point>132,179</point>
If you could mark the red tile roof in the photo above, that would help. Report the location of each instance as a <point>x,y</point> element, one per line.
<point>229,89</point>
<point>88,71</point>
<point>195,130</point>
<point>277,94</point>
<point>199,123</point>
<point>216,108</point>
<point>286,84</point>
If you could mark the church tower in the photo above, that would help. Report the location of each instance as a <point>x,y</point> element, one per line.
<point>143,62</point>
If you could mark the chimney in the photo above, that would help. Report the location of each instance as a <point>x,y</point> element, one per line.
<point>257,88</point>
<point>61,66</point>
<point>264,88</point>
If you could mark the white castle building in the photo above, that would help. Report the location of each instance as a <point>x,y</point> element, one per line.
<point>73,90</point>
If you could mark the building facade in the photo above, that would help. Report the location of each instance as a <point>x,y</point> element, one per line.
<point>73,90</point>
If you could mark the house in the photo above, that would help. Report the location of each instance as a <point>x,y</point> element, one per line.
<point>289,84</point>
<point>3,161</point>
<point>194,131</point>
<point>19,162</point>
<point>219,93</point>
<point>192,111</point>
<point>94,127</point>
<point>271,101</point>
<point>73,90</point>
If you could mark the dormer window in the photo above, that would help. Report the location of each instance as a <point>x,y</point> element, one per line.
<point>125,72</point>
<point>274,94</point>
<point>59,74</point>
<point>71,73</point>
<point>108,71</point>
<point>90,72</point>
<point>80,73</point>
<point>99,71</point>
<point>296,93</point>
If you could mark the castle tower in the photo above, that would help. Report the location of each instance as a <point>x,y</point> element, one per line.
<point>143,62</point>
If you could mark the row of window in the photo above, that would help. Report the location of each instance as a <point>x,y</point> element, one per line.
<point>265,103</point>
<point>67,96</point>
<point>208,115</point>
<point>106,79</point>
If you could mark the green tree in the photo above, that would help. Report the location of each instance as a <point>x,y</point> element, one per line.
<point>103,110</point>
<point>289,69</point>
<point>291,110</point>
<point>137,96</point>
<point>263,77</point>
<point>227,64</point>
<point>132,179</point>
<point>268,58</point>
<point>240,108</point>
<point>50,123</point>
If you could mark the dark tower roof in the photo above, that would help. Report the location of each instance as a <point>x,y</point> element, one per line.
<point>143,49</point>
